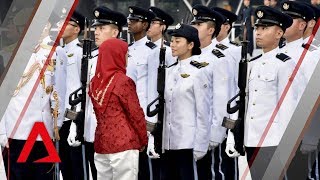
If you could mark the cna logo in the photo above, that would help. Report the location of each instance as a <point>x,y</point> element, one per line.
<point>39,129</point>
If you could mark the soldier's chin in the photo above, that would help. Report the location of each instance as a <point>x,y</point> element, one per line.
<point>259,44</point>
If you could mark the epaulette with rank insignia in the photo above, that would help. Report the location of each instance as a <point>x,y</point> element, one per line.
<point>198,64</point>
<point>283,57</point>
<point>151,45</point>
<point>222,46</point>
<point>255,58</point>
<point>217,53</point>
<point>234,43</point>
<point>309,47</point>
<point>80,45</point>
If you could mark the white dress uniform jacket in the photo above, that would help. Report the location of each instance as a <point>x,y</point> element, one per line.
<point>45,96</point>
<point>268,77</point>
<point>234,51</point>
<point>187,121</point>
<point>296,51</point>
<point>153,64</point>
<point>90,117</point>
<point>220,77</point>
<point>137,68</point>
<point>74,53</point>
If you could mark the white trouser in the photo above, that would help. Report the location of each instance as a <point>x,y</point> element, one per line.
<point>117,166</point>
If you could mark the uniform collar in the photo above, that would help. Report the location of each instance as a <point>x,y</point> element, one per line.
<point>225,41</point>
<point>294,44</point>
<point>305,41</point>
<point>141,41</point>
<point>186,61</point>
<point>270,54</point>
<point>158,42</point>
<point>207,49</point>
<point>71,44</point>
<point>214,41</point>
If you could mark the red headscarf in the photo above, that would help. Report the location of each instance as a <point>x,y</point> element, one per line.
<point>111,63</point>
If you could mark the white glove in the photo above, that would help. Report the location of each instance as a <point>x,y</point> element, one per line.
<point>150,149</point>
<point>72,136</point>
<point>308,148</point>
<point>198,155</point>
<point>230,150</point>
<point>213,145</point>
<point>4,141</point>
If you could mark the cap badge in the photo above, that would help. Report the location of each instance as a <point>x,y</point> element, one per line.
<point>130,10</point>
<point>260,14</point>
<point>178,26</point>
<point>96,13</point>
<point>285,6</point>
<point>194,12</point>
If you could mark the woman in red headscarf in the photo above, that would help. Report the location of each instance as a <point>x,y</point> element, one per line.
<point>121,128</point>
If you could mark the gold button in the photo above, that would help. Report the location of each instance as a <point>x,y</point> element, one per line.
<point>255,90</point>
<point>254,104</point>
<point>263,63</point>
<point>251,117</point>
<point>258,76</point>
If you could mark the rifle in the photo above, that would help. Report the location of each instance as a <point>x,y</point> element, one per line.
<point>79,95</point>
<point>237,126</point>
<point>157,128</point>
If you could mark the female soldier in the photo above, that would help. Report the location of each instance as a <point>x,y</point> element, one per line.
<point>187,107</point>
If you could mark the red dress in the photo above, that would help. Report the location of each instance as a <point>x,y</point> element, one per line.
<point>121,126</point>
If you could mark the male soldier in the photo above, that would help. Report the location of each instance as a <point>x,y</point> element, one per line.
<point>268,76</point>
<point>71,156</point>
<point>139,21</point>
<point>228,166</point>
<point>208,23</point>
<point>232,47</point>
<point>108,24</point>
<point>311,24</point>
<point>301,15</point>
<point>158,27</point>
<point>46,106</point>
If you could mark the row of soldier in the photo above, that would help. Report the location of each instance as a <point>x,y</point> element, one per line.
<point>202,74</point>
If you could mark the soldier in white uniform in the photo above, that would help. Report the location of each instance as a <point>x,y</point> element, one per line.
<point>45,105</point>
<point>301,15</point>
<point>186,126</point>
<point>224,166</point>
<point>303,159</point>
<point>310,141</point>
<point>158,27</point>
<point>139,21</point>
<point>232,47</point>
<point>269,74</point>
<point>208,22</point>
<point>71,156</point>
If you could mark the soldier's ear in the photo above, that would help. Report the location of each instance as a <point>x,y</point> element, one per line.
<point>190,45</point>
<point>311,23</point>
<point>115,32</point>
<point>279,33</point>
<point>77,30</point>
